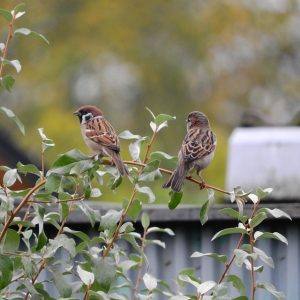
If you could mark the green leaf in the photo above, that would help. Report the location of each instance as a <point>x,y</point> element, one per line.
<point>42,241</point>
<point>206,286</point>
<point>19,7</point>
<point>63,210</point>
<point>237,283</point>
<point>110,219</point>
<point>206,206</point>
<point>81,167</point>
<point>116,182</point>
<point>262,193</point>
<point>165,230</point>
<point>135,149</point>
<point>46,142</point>
<point>161,118</point>
<point>145,220</point>
<point>127,135</point>
<point>12,241</point>
<point>147,191</point>
<point>61,241</point>
<point>134,209</point>
<point>14,63</point>
<point>105,272</point>
<point>6,271</point>
<point>83,236</point>
<point>30,168</point>
<point>264,257</point>
<point>9,113</point>
<point>203,212</point>
<point>218,257</point>
<point>268,235</point>
<point>34,34</point>
<point>276,213</point>
<point>62,285</point>
<point>10,177</point>
<point>241,257</point>
<point>92,214</point>
<point>175,199</point>
<point>53,183</point>
<point>150,282</point>
<point>230,212</point>
<point>271,289</point>
<point>227,231</point>
<point>126,265</point>
<point>126,227</point>
<point>8,82</point>
<point>257,219</point>
<point>159,155</point>
<point>6,14</point>
<point>86,277</point>
<point>70,157</point>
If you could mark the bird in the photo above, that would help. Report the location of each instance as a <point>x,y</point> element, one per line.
<point>196,152</point>
<point>99,135</point>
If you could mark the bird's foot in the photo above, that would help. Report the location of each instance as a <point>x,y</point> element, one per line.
<point>202,184</point>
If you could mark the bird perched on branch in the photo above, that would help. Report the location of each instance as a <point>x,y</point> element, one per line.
<point>197,150</point>
<point>99,135</point>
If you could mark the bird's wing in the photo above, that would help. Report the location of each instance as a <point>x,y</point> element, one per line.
<point>100,131</point>
<point>197,144</point>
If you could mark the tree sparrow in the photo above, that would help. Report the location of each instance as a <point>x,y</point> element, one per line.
<point>99,135</point>
<point>197,150</point>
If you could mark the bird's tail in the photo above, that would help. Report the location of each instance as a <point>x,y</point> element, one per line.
<point>119,163</point>
<point>177,178</point>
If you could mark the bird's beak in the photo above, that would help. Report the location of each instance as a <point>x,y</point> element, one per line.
<point>76,113</point>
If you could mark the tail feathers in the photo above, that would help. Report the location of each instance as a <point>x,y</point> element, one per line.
<point>119,164</point>
<point>177,178</point>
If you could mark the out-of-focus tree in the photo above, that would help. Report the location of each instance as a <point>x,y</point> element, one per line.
<point>220,57</point>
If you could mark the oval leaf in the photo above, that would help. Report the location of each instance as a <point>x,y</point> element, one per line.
<point>229,231</point>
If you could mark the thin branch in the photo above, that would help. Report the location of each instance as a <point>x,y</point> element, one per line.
<point>140,266</point>
<point>86,294</point>
<point>134,191</point>
<point>228,265</point>
<point>253,285</point>
<point>8,38</point>
<point>58,201</point>
<point>19,207</point>
<point>166,171</point>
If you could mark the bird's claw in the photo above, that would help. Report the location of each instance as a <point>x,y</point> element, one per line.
<point>202,185</point>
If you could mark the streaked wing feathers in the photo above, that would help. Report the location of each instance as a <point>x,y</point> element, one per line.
<point>197,144</point>
<point>101,132</point>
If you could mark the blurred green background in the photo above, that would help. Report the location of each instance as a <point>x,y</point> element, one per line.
<point>219,57</point>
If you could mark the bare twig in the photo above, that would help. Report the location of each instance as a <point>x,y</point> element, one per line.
<point>228,265</point>
<point>58,201</point>
<point>166,171</point>
<point>19,207</point>
<point>140,266</point>
<point>8,38</point>
<point>253,285</point>
<point>86,294</point>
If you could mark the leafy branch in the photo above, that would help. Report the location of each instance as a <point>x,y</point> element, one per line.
<point>124,212</point>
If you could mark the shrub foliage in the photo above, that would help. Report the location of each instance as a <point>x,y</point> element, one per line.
<point>80,267</point>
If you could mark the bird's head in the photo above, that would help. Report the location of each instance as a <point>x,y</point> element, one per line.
<point>198,119</point>
<point>87,112</point>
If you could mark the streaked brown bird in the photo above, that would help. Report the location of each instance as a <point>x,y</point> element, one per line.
<point>196,152</point>
<point>99,135</point>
